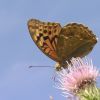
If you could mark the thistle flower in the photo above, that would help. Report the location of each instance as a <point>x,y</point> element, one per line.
<point>80,75</point>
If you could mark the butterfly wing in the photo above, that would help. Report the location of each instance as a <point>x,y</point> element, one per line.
<point>75,40</point>
<point>45,36</point>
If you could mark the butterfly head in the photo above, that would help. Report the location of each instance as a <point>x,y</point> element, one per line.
<point>60,65</point>
<point>57,66</point>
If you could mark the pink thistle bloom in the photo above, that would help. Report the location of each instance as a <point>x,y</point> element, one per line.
<point>80,73</point>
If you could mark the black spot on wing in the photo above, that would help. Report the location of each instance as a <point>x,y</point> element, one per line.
<point>45,31</point>
<point>46,37</point>
<point>38,37</point>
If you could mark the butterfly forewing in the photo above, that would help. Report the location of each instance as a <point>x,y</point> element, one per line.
<point>45,35</point>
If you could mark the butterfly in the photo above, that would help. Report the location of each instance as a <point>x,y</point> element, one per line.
<point>61,43</point>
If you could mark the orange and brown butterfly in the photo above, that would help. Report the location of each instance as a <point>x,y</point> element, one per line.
<point>62,43</point>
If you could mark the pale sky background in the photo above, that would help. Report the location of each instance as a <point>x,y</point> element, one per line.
<point>17,50</point>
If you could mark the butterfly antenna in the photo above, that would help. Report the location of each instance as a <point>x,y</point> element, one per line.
<point>39,66</point>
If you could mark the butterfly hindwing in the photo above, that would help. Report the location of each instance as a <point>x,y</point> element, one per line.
<point>45,35</point>
<point>75,40</point>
